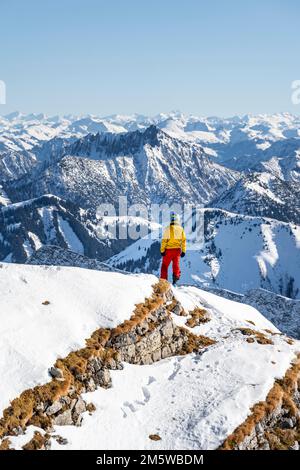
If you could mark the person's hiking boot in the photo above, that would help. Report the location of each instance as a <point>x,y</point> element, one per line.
<point>175,280</point>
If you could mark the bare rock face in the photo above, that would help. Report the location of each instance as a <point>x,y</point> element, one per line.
<point>55,408</point>
<point>63,419</point>
<point>154,339</point>
<point>278,431</point>
<point>80,406</point>
<point>167,329</point>
<point>104,378</point>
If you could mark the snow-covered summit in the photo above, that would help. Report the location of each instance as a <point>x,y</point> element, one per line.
<point>191,401</point>
<point>46,312</point>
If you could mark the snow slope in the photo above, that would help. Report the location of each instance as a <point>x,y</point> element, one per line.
<point>4,199</point>
<point>191,402</point>
<point>283,312</point>
<point>33,335</point>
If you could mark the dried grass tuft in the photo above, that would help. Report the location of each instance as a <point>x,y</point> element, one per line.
<point>194,342</point>
<point>259,337</point>
<point>5,444</point>
<point>91,407</point>
<point>36,443</point>
<point>197,316</point>
<point>289,341</point>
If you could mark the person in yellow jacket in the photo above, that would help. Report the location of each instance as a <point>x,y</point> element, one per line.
<point>173,246</point>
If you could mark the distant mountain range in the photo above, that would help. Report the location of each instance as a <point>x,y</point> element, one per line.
<point>148,166</point>
<point>24,132</point>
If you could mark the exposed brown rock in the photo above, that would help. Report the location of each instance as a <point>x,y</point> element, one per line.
<point>155,437</point>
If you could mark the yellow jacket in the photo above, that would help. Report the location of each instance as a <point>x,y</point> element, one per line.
<point>173,237</point>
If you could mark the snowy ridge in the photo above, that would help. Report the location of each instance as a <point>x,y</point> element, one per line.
<point>80,301</point>
<point>56,256</point>
<point>223,380</point>
<point>283,312</point>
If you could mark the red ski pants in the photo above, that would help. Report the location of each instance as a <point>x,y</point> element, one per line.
<point>172,255</point>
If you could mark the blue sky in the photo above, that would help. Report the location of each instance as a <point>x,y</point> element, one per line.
<point>212,57</point>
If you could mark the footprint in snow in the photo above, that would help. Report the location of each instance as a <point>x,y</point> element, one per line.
<point>177,368</point>
<point>137,403</point>
<point>146,394</point>
<point>151,380</point>
<point>130,406</point>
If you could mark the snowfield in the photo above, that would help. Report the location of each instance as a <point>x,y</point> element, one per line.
<point>191,402</point>
<point>34,335</point>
